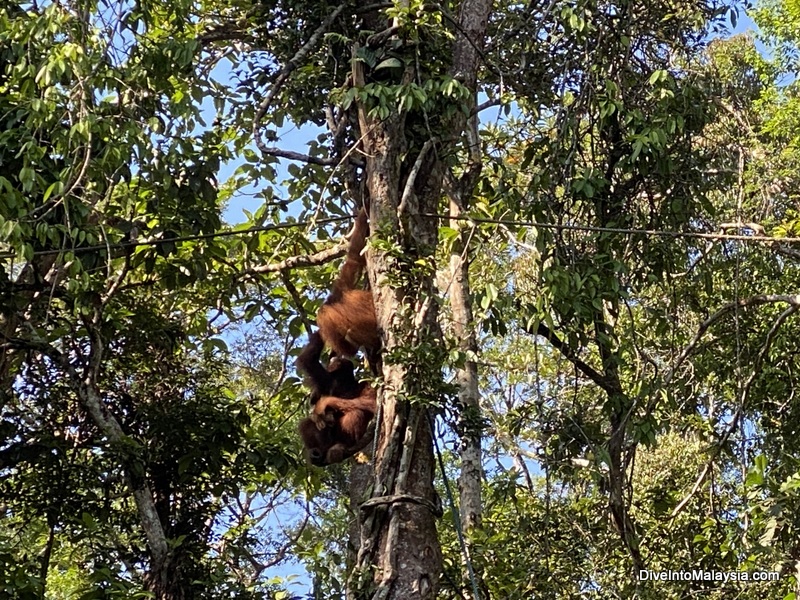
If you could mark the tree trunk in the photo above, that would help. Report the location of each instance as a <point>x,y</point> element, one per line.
<point>471,476</point>
<point>473,20</point>
<point>359,488</point>
<point>399,555</point>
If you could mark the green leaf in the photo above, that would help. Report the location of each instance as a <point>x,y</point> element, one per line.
<point>657,75</point>
<point>56,186</point>
<point>27,176</point>
<point>389,63</point>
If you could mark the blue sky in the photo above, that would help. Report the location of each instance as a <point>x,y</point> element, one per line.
<point>294,138</point>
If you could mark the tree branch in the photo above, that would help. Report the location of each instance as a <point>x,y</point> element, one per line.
<point>408,190</point>
<point>109,426</point>
<point>484,105</point>
<point>291,155</point>
<point>756,368</point>
<point>792,299</point>
<point>287,70</point>
<point>227,32</point>
<point>300,261</point>
<point>568,353</point>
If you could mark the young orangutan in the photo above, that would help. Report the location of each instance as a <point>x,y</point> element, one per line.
<point>344,423</point>
<point>337,379</point>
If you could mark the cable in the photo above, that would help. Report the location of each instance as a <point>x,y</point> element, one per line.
<point>761,239</point>
<point>625,231</point>
<point>188,238</point>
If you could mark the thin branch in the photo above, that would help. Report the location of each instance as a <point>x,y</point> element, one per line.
<point>568,353</point>
<point>377,39</point>
<point>46,555</point>
<point>281,553</point>
<point>408,190</point>
<point>792,299</point>
<point>291,155</point>
<point>483,106</point>
<point>756,228</point>
<point>754,371</point>
<point>117,281</point>
<point>287,70</point>
<point>787,251</point>
<point>300,261</point>
<point>226,32</point>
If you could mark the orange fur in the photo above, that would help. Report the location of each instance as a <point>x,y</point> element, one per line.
<point>347,319</point>
<point>355,262</point>
<point>337,425</point>
<point>350,323</point>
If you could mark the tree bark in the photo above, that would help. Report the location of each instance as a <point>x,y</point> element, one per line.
<point>461,305</point>
<point>399,555</point>
<point>473,20</point>
<point>470,478</point>
<point>359,488</point>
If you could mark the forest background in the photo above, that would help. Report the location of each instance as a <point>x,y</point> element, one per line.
<point>588,297</point>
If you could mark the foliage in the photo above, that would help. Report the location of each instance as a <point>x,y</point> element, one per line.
<point>638,388</point>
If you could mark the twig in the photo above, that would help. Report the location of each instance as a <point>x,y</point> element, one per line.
<point>408,190</point>
<point>792,299</point>
<point>738,414</point>
<point>287,70</point>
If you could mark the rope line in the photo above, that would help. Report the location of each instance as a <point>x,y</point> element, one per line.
<point>624,231</point>
<point>759,239</point>
<point>188,238</point>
